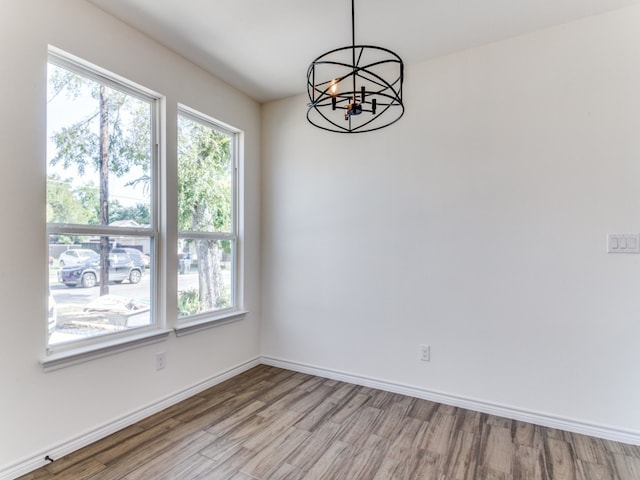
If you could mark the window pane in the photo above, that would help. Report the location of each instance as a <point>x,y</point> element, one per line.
<point>99,147</point>
<point>205,178</point>
<point>204,276</point>
<point>79,305</point>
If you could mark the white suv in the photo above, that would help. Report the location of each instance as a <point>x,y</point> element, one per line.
<point>75,256</point>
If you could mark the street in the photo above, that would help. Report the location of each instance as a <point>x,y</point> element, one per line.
<point>78,296</point>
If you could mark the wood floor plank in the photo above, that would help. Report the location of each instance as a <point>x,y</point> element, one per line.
<point>559,459</point>
<point>272,430</point>
<point>366,459</point>
<point>360,425</point>
<point>178,452</point>
<point>523,433</point>
<point>626,466</point>
<point>229,464</point>
<point>528,463</point>
<point>236,418</point>
<point>269,458</point>
<point>439,433</point>
<point>205,406</point>
<point>589,449</point>
<point>348,409</point>
<point>463,458</point>
<point>280,389</point>
<point>319,414</point>
<point>590,471</point>
<point>301,400</point>
<point>320,469</point>
<point>123,448</point>
<point>286,472</point>
<point>274,424</point>
<point>220,448</point>
<point>429,466</point>
<point>309,451</point>
<point>169,413</point>
<point>496,451</point>
<point>390,420</point>
<point>423,409</point>
<point>195,467</point>
<point>407,443</point>
<point>468,421</point>
<point>40,474</point>
<point>81,471</point>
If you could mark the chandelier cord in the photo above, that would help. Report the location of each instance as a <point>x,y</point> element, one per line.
<point>353,46</point>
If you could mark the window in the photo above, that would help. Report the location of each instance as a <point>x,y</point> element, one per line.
<point>103,221</point>
<point>101,207</point>
<point>207,218</point>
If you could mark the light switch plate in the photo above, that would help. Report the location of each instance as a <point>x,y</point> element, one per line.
<point>623,243</point>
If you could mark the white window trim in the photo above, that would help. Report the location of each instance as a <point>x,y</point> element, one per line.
<point>198,322</point>
<point>109,346</point>
<point>77,351</point>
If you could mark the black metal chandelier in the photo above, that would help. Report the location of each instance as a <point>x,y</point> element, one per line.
<point>355,89</point>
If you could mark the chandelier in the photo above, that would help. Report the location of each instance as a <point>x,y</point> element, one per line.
<point>355,89</point>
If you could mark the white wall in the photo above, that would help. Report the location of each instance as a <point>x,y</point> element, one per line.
<point>477,224</point>
<point>43,410</point>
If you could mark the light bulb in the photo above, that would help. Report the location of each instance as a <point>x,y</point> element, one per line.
<point>333,89</point>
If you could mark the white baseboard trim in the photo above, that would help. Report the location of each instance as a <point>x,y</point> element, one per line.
<point>36,461</point>
<point>514,413</point>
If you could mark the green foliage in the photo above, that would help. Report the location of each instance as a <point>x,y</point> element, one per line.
<point>138,213</point>
<point>204,177</point>
<point>129,129</point>
<point>63,204</point>
<point>224,300</point>
<point>189,302</point>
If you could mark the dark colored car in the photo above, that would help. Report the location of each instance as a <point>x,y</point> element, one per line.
<point>121,267</point>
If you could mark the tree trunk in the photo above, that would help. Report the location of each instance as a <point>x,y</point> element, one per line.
<point>104,190</point>
<point>210,275</point>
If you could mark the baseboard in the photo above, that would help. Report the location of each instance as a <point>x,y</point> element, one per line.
<point>538,418</point>
<point>36,461</point>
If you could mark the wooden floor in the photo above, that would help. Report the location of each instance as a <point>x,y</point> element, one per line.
<point>270,423</point>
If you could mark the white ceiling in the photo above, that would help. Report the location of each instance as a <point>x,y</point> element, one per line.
<point>264,47</point>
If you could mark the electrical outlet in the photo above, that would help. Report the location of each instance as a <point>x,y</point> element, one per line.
<point>425,353</point>
<point>161,360</point>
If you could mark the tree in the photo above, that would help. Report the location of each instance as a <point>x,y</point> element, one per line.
<point>63,205</point>
<point>204,200</point>
<point>112,139</point>
<point>139,213</point>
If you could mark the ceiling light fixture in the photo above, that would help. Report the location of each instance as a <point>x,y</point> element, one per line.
<point>355,89</point>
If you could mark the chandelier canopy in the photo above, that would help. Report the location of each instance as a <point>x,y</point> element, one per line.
<point>355,89</point>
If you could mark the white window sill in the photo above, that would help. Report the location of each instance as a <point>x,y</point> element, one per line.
<point>76,356</point>
<point>198,324</point>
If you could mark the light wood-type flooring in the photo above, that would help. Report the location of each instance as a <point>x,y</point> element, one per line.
<point>276,424</point>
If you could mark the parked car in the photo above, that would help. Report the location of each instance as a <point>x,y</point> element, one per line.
<point>76,256</point>
<point>139,259</point>
<point>87,275</point>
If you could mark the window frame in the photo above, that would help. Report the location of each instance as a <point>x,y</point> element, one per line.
<point>203,320</point>
<point>75,351</point>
